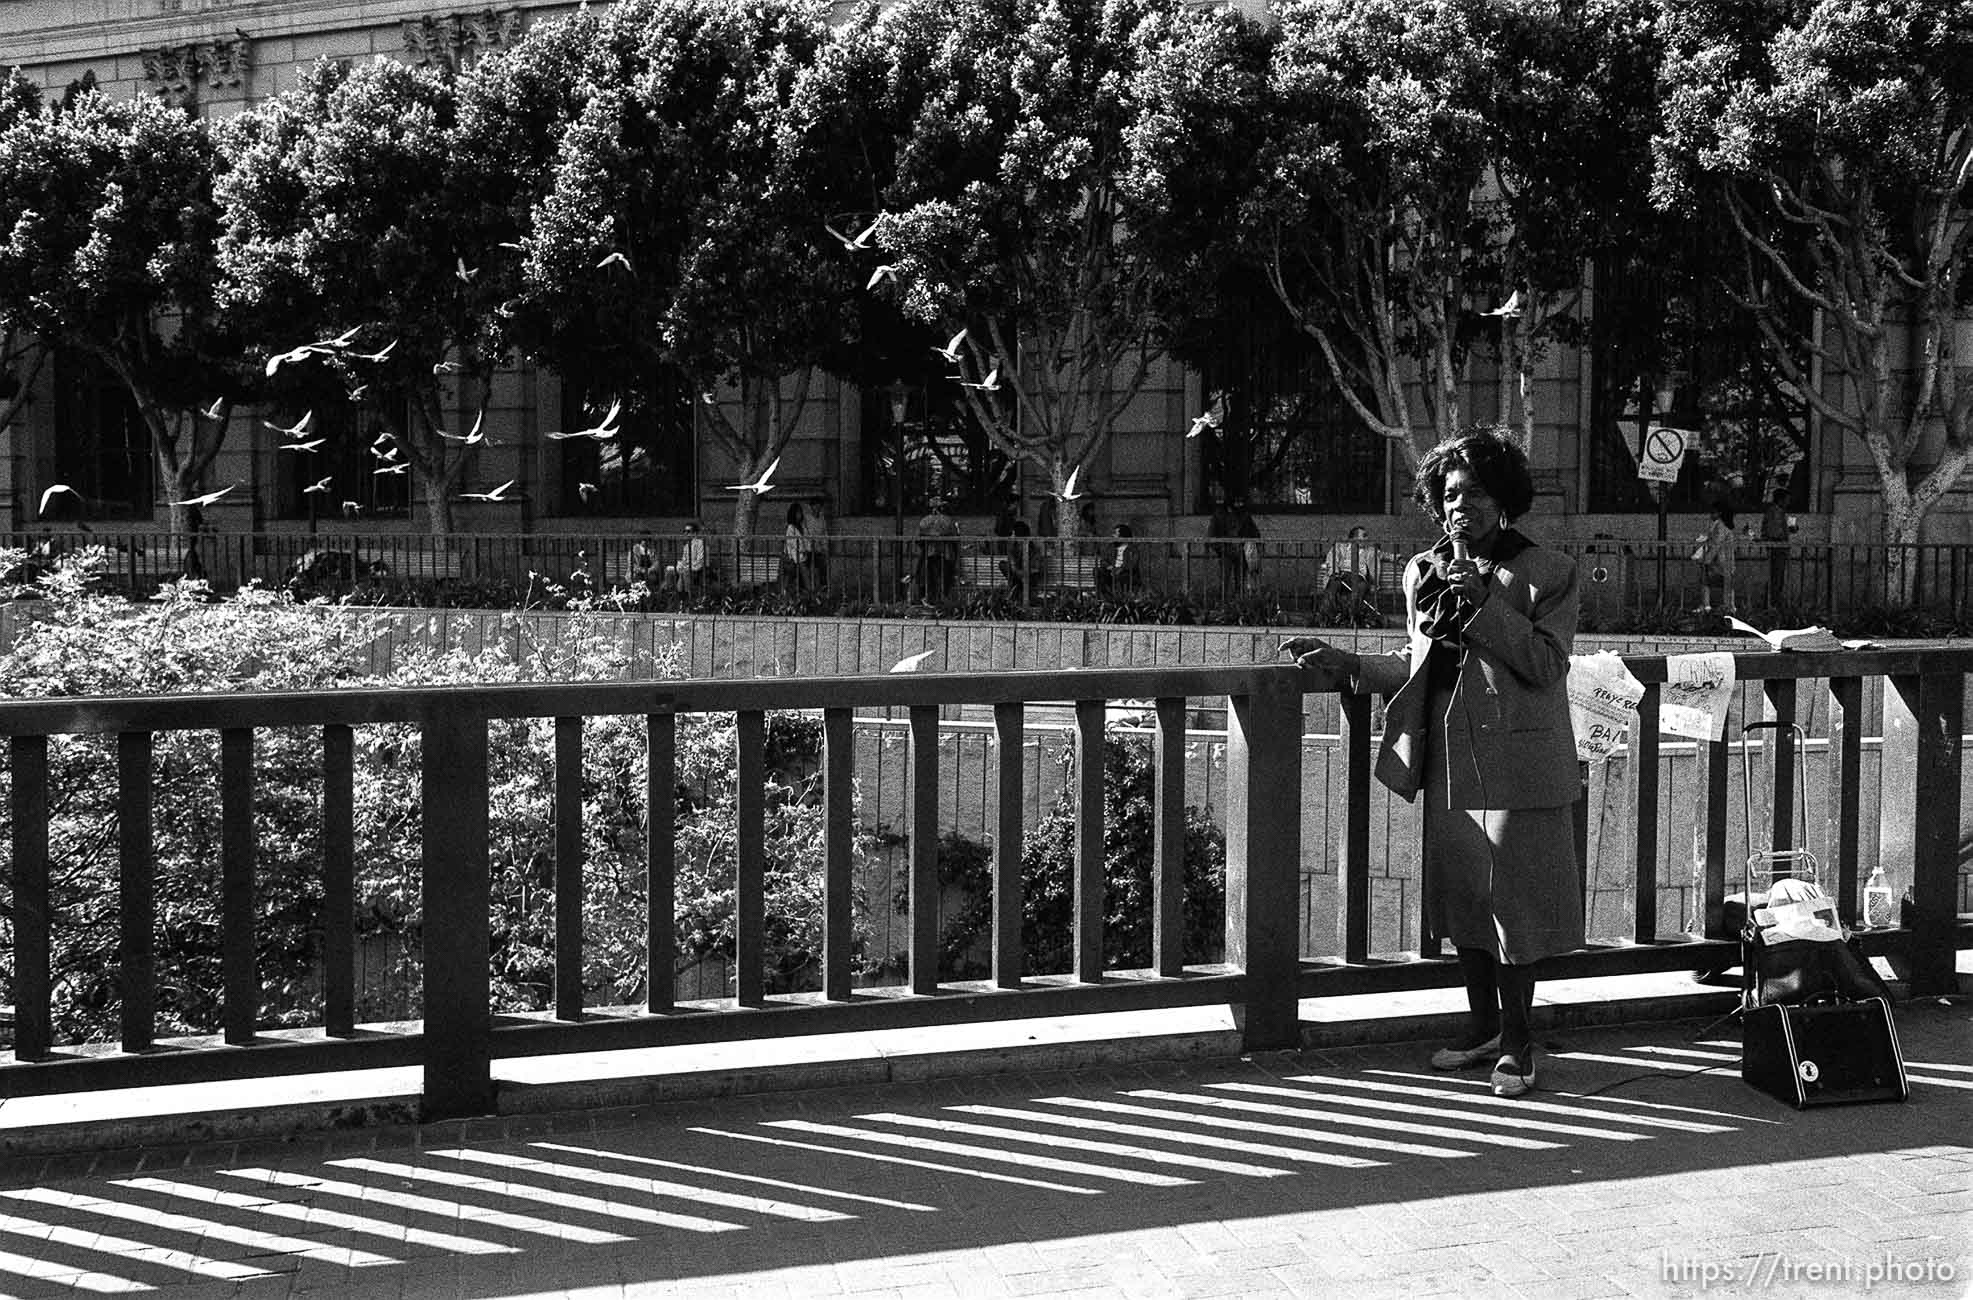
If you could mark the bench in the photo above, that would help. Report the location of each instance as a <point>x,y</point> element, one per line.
<point>1072,572</point>
<point>1059,572</point>
<point>423,564</point>
<point>756,570</point>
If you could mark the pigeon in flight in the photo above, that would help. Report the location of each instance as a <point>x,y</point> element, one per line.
<point>760,484</point>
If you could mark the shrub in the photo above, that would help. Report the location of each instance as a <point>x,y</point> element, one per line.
<point>87,644</point>
<point>1047,874</point>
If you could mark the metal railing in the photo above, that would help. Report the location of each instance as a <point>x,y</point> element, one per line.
<point>1918,772</point>
<point>1292,576</point>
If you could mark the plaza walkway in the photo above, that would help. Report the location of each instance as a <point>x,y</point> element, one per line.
<point>1643,1167</point>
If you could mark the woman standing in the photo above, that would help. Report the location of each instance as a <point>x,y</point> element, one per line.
<point>796,548</point>
<point>1478,720</point>
<point>1715,556</point>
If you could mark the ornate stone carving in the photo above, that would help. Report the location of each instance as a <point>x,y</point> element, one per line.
<point>451,41</point>
<point>175,71</point>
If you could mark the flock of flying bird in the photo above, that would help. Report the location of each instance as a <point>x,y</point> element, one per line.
<point>385,448</point>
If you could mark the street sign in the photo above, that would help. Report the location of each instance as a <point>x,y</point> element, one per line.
<point>1662,452</point>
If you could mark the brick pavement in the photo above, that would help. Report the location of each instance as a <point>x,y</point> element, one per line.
<point>1643,1167</point>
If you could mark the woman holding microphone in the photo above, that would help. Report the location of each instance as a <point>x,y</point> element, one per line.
<point>1477,719</point>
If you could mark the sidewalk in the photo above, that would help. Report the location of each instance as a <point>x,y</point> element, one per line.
<point>1643,1166</point>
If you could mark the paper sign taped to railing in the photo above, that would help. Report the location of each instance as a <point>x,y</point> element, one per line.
<point>1698,689</point>
<point>1603,700</point>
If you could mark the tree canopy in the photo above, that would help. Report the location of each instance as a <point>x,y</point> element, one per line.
<point>354,221</point>
<point>1027,214</point>
<point>1838,137</point>
<point>671,234</point>
<point>107,230</point>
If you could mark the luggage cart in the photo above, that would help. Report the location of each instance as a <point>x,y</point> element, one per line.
<point>1825,1046</point>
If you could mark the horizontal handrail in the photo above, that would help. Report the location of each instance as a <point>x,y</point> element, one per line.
<point>1919,763</point>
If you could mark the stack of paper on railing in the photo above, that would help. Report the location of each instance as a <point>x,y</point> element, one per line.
<point>1800,639</point>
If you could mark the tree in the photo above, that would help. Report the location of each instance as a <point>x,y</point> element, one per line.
<point>1365,221</point>
<point>1027,216</point>
<point>675,231</point>
<point>1838,136</point>
<point>352,214</point>
<point>109,243</point>
<point>21,353</point>
<point>1573,107</point>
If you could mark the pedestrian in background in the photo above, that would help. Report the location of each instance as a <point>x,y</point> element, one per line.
<point>1775,531</point>
<point>1715,554</point>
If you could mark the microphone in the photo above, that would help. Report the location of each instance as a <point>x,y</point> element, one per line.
<point>1459,550</point>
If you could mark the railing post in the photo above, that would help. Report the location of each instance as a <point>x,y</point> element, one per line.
<point>1924,720</point>
<point>458,1030</point>
<point>1263,854</point>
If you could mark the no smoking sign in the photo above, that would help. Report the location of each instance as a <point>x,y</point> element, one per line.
<point>1661,455</point>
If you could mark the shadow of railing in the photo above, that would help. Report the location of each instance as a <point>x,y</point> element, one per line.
<point>886,1186</point>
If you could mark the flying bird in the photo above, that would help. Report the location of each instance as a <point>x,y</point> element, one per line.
<point>881,274</point>
<point>218,408</point>
<point>1509,309</point>
<point>296,430</point>
<point>498,494</point>
<point>448,368</point>
<point>466,274</point>
<point>618,258</point>
<point>309,445</point>
<point>339,342</point>
<point>760,484</point>
<point>1201,423</point>
<point>320,485</point>
<point>356,394</point>
<point>208,498</point>
<point>55,489</point>
<point>587,491</point>
<point>951,350</point>
<point>279,359</point>
<point>857,245</point>
<point>909,664</point>
<point>470,439</point>
<point>401,467</point>
<point>602,431</point>
<point>991,384</point>
<point>376,356</point>
<point>1068,492</point>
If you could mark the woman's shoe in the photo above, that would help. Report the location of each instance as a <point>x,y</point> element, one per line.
<point>1465,1058</point>
<point>1511,1078</point>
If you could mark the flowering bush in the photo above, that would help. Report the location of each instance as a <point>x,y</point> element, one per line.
<point>182,642</point>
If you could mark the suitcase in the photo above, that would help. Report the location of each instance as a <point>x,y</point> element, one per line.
<point>1824,1054</point>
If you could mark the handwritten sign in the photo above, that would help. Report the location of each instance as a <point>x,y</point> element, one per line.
<point>1698,689</point>
<point>1603,700</point>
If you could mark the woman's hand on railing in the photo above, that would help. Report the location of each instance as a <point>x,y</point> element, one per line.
<point>1315,654</point>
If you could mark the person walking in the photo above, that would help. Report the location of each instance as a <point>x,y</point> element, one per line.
<point>1477,721</point>
<point>1715,554</point>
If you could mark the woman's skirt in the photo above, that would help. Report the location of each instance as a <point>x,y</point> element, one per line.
<point>1503,880</point>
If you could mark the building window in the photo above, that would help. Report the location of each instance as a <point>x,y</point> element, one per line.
<point>352,453</point>
<point>102,445</point>
<point>647,469</point>
<point>1684,348</point>
<point>920,441</point>
<point>1287,440</point>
